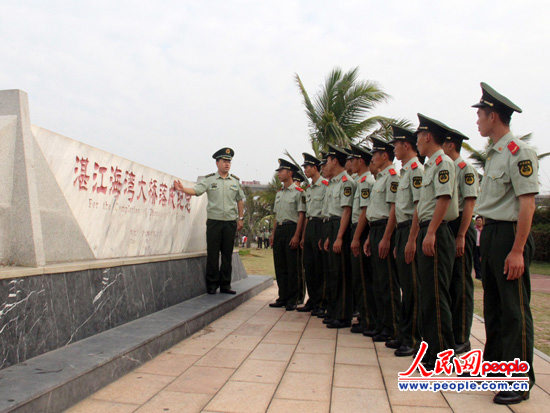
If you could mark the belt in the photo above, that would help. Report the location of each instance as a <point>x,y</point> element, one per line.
<point>287,222</point>
<point>424,224</point>
<point>404,224</point>
<point>332,218</point>
<point>315,219</point>
<point>378,223</point>
<point>489,221</point>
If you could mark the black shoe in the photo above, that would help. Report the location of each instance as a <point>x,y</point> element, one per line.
<point>356,328</point>
<point>290,307</point>
<point>463,348</point>
<point>339,324</point>
<point>369,333</point>
<point>211,290</point>
<point>510,397</point>
<point>381,337</point>
<point>303,309</point>
<point>404,351</point>
<point>328,320</point>
<point>393,343</point>
<point>227,291</point>
<point>321,313</point>
<point>316,311</point>
<point>277,304</point>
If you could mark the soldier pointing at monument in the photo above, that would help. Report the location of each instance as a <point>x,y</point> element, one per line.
<point>225,205</point>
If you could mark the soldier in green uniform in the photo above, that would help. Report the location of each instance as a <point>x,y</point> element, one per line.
<point>461,287</point>
<point>315,195</point>
<point>437,206</point>
<point>300,180</point>
<point>225,206</point>
<point>360,264</point>
<point>408,194</point>
<point>340,201</point>
<point>325,227</point>
<point>507,202</point>
<point>380,243</point>
<point>289,211</point>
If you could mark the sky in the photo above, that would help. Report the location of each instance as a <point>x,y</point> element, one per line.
<point>167,83</point>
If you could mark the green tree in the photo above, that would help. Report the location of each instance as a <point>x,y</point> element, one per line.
<point>338,113</point>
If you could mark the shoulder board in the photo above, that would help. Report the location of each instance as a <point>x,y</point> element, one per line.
<point>392,172</point>
<point>299,189</point>
<point>462,164</point>
<point>209,175</point>
<point>236,177</point>
<point>414,165</point>
<point>363,179</point>
<point>513,147</point>
<point>438,160</point>
<point>344,178</point>
<point>325,182</point>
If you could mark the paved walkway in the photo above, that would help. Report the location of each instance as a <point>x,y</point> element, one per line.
<point>257,359</point>
<point>540,283</point>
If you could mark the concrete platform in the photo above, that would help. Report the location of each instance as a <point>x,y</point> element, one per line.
<point>258,359</point>
<point>56,380</point>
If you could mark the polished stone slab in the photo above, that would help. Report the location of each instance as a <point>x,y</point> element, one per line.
<point>56,380</point>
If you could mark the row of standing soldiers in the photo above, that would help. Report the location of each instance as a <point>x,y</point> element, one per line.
<point>396,248</point>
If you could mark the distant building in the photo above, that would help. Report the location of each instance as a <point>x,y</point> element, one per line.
<point>254,185</point>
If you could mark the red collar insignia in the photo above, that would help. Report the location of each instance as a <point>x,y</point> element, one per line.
<point>462,164</point>
<point>299,189</point>
<point>392,172</point>
<point>363,179</point>
<point>325,182</point>
<point>414,165</point>
<point>513,147</point>
<point>344,178</point>
<point>438,160</point>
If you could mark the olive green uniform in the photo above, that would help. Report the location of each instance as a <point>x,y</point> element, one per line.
<point>340,193</point>
<point>289,202</point>
<point>461,287</point>
<point>511,170</point>
<point>408,192</point>
<point>435,272</point>
<point>313,266</point>
<point>221,225</point>
<point>386,288</point>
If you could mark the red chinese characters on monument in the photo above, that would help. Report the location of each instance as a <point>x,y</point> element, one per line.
<point>107,180</point>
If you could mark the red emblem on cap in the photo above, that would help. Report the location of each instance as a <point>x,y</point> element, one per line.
<point>414,165</point>
<point>325,182</point>
<point>462,164</point>
<point>438,160</point>
<point>344,178</point>
<point>513,147</point>
<point>392,172</point>
<point>363,179</point>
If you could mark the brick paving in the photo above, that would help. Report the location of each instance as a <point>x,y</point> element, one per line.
<point>258,359</point>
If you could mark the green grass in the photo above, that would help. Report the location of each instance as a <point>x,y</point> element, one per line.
<point>256,261</point>
<point>540,267</point>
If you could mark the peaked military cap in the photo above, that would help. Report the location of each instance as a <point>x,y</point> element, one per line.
<point>337,152</point>
<point>299,176</point>
<point>380,145</point>
<point>432,125</point>
<point>490,98</point>
<point>310,160</point>
<point>323,158</point>
<point>361,152</point>
<point>284,164</point>
<point>224,153</point>
<point>402,135</point>
<point>454,135</point>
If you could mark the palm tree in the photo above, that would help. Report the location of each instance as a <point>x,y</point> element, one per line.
<point>338,113</point>
<point>480,157</point>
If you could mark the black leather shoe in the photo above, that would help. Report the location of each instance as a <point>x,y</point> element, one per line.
<point>277,304</point>
<point>404,351</point>
<point>381,337</point>
<point>463,348</point>
<point>328,320</point>
<point>369,333</point>
<point>227,291</point>
<point>395,344</point>
<point>211,290</point>
<point>290,307</point>
<point>339,324</point>
<point>510,397</point>
<point>303,309</point>
<point>356,328</point>
<point>321,313</point>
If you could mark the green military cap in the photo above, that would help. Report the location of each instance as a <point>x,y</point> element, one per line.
<point>490,98</point>
<point>432,125</point>
<point>337,152</point>
<point>402,135</point>
<point>284,164</point>
<point>310,160</point>
<point>380,145</point>
<point>454,135</point>
<point>361,152</point>
<point>299,176</point>
<point>224,153</point>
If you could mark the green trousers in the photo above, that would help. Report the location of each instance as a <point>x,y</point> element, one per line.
<point>313,265</point>
<point>220,238</point>
<point>435,276</point>
<point>287,264</point>
<point>409,316</point>
<point>506,308</point>
<point>362,284</point>
<point>339,277</point>
<point>461,288</point>
<point>325,294</point>
<point>386,287</point>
